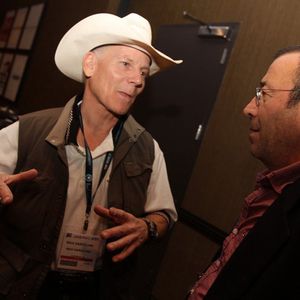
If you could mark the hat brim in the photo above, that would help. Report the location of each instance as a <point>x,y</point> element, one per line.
<point>86,35</point>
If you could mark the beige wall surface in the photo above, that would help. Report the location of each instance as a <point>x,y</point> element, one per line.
<point>225,171</point>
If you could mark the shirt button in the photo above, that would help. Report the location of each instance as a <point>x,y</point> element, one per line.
<point>235,231</point>
<point>218,263</point>
<point>44,246</point>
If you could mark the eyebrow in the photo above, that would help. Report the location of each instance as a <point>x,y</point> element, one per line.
<point>145,68</point>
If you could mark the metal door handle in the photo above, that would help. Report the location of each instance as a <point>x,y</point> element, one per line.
<point>198,132</point>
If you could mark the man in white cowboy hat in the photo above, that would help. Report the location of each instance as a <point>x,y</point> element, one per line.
<point>85,185</point>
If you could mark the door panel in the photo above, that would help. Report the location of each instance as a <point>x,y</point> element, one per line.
<point>176,104</point>
<point>173,105</point>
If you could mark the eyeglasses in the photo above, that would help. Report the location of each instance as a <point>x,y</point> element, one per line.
<point>259,93</point>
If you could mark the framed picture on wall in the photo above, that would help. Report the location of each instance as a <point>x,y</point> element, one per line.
<point>15,77</point>
<point>17,27</point>
<point>6,27</point>
<point>17,34</point>
<point>5,67</point>
<point>31,26</point>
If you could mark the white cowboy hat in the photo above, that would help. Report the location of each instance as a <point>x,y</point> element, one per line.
<point>104,29</point>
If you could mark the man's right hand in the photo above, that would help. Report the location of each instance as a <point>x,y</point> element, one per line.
<point>6,196</point>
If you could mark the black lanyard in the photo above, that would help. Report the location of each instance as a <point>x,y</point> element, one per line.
<point>116,132</point>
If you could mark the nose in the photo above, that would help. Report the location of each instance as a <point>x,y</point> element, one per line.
<point>250,109</point>
<point>137,79</point>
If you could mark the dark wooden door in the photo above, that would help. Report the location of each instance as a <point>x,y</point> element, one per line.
<point>176,104</point>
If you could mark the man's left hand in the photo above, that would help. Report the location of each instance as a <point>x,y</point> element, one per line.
<point>129,233</point>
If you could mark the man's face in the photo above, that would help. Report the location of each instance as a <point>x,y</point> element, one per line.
<point>274,126</point>
<point>116,76</point>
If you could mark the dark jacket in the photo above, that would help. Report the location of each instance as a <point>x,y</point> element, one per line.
<point>266,264</point>
<point>30,226</point>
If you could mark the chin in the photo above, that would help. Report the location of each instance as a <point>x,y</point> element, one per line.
<point>254,151</point>
<point>122,110</point>
<point>119,113</point>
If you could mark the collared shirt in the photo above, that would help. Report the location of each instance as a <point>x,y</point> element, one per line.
<point>269,186</point>
<point>159,197</point>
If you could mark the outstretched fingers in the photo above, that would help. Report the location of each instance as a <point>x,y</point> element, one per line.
<point>22,176</point>
<point>6,195</point>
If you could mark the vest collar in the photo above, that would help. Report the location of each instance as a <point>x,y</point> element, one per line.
<point>61,130</point>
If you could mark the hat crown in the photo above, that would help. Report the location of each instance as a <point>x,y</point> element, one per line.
<point>140,26</point>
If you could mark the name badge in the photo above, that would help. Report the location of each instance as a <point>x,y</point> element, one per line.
<point>79,252</point>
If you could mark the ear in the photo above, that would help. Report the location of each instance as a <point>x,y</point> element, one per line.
<point>89,64</point>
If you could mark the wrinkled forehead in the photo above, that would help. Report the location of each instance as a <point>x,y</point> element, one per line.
<point>120,47</point>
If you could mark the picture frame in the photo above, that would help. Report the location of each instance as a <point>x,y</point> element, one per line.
<point>6,27</point>
<point>31,26</point>
<point>17,27</point>
<point>5,67</point>
<point>17,34</point>
<point>15,77</point>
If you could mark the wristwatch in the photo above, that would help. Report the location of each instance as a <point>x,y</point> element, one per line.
<point>152,229</point>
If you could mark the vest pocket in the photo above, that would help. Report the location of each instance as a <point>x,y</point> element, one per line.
<point>27,212</point>
<point>136,169</point>
<point>134,187</point>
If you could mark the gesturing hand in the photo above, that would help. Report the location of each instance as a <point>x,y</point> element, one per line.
<point>6,180</point>
<point>128,234</point>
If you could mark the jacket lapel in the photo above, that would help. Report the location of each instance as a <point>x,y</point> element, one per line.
<point>257,249</point>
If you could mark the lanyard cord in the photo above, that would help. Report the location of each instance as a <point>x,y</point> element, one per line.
<point>89,165</point>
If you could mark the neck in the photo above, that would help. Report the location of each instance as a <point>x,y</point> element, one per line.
<point>280,162</point>
<point>97,124</point>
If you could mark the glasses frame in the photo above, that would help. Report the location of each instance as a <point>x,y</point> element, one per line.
<point>259,95</point>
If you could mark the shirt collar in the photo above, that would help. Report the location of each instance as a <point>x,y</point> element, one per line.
<point>279,179</point>
<point>74,123</point>
<point>71,137</point>
<point>106,146</point>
